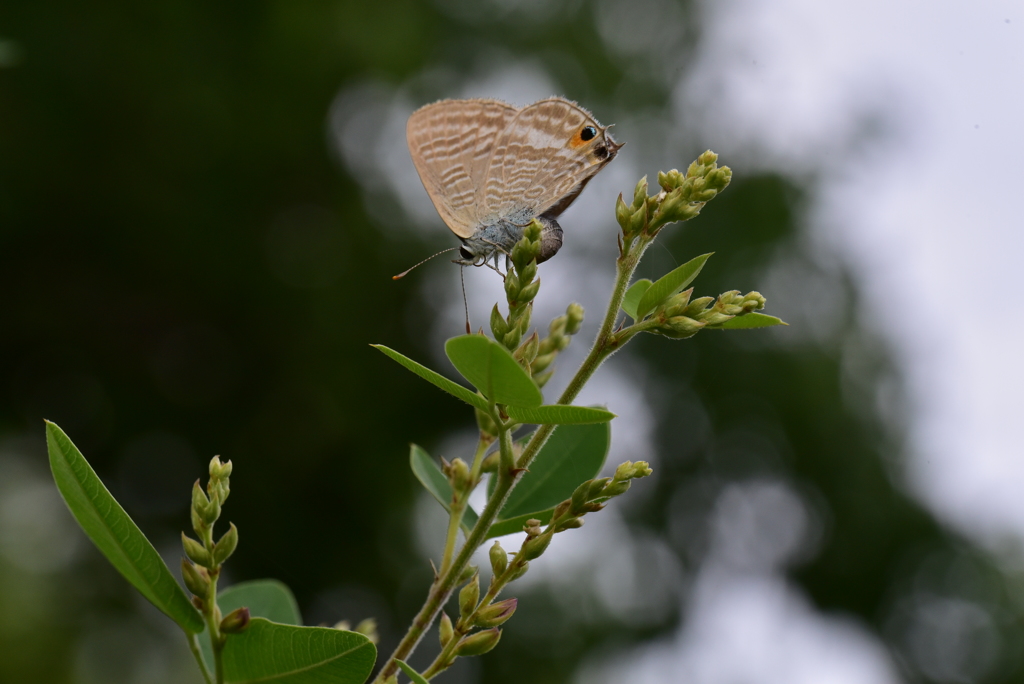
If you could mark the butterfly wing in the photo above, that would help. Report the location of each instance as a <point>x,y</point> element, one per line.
<point>544,158</point>
<point>451,142</point>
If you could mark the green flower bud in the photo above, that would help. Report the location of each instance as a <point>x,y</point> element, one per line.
<point>528,272</point>
<point>527,352</point>
<point>558,326</point>
<point>671,180</point>
<point>533,547</point>
<point>528,292</point>
<point>490,463</point>
<point>519,571</point>
<point>469,596</point>
<point>541,362</point>
<point>196,581</point>
<point>753,301</point>
<point>541,379</point>
<point>523,318</point>
<point>467,573</point>
<point>680,327</point>
<point>511,286</point>
<point>196,552</point>
<point>638,221</point>
<point>235,622</point>
<point>498,325</point>
<point>623,214</point>
<point>499,559</point>
<point>478,644</point>
<point>639,193</point>
<point>580,496</point>
<point>596,487</point>
<point>569,524</point>
<point>512,338</point>
<point>223,549</point>
<point>697,306</point>
<point>368,628</point>
<point>574,314</point>
<point>616,487</point>
<point>676,304</point>
<point>219,470</point>
<point>496,613</point>
<point>458,475</point>
<point>206,510</point>
<point>445,632</point>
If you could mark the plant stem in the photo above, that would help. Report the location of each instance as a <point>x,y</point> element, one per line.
<point>193,644</point>
<point>445,584</point>
<point>454,520</point>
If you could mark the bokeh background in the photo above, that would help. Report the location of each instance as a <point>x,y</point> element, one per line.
<point>201,206</point>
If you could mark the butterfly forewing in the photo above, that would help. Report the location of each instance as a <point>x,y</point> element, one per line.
<point>451,143</point>
<point>533,164</point>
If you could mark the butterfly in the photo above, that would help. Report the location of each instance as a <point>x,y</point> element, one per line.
<point>490,168</point>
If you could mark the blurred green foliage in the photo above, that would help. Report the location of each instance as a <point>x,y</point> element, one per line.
<point>149,155</point>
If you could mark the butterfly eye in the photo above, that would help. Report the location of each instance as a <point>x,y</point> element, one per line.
<point>588,133</point>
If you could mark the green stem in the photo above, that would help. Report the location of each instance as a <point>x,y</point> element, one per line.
<point>454,520</point>
<point>193,645</point>
<point>443,587</point>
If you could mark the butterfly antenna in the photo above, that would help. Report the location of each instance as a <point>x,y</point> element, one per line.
<point>406,272</point>
<point>465,302</point>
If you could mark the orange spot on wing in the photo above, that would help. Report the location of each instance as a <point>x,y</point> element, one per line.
<point>576,140</point>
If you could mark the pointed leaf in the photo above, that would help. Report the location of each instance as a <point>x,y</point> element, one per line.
<point>492,370</point>
<point>267,598</point>
<point>669,284</point>
<point>428,472</point>
<point>573,454</point>
<point>750,321</point>
<point>269,653</point>
<point>114,533</point>
<point>436,379</point>
<point>559,414</point>
<point>633,295</point>
<point>415,676</point>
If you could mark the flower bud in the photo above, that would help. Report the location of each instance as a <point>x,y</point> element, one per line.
<point>512,338</point>
<point>528,351</point>
<point>569,524</point>
<point>196,552</point>
<point>208,511</point>
<point>638,221</point>
<point>223,549</point>
<point>469,596</point>
<point>533,548</point>
<point>541,363</point>
<point>219,470</point>
<point>579,496</point>
<point>496,613</point>
<point>511,286</point>
<point>467,572</point>
<point>528,292</point>
<point>196,581</point>
<point>680,327</point>
<point>490,464</point>
<point>528,272</point>
<point>235,622</point>
<point>519,571</point>
<point>676,304</point>
<point>499,559</point>
<point>695,307</point>
<point>622,214</point>
<point>478,644</point>
<point>574,313</point>
<point>639,193</point>
<point>523,318</point>
<point>498,325</point>
<point>458,475</point>
<point>445,632</point>
<point>541,379</point>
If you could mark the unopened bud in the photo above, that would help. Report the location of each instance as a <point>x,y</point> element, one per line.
<point>623,214</point>
<point>195,579</point>
<point>223,549</point>
<point>490,464</point>
<point>569,524</point>
<point>528,292</point>
<point>580,496</point>
<point>458,475</point>
<point>511,286</point>
<point>638,221</point>
<point>206,510</point>
<point>469,596</point>
<point>496,613</point>
<point>528,272</point>
<point>445,632</point>
<point>467,572</point>
<point>677,303</point>
<point>527,352</point>
<point>512,338</point>
<point>479,643</point>
<point>498,325</point>
<point>639,193</point>
<point>574,312</point>
<point>519,571</point>
<point>697,306</point>
<point>219,470</point>
<point>196,552</point>
<point>533,548</point>
<point>235,622</point>
<point>499,559</point>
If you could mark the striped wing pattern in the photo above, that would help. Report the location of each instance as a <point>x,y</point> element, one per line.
<point>534,166</point>
<point>451,142</point>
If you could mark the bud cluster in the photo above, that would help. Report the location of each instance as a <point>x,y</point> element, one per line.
<point>679,317</point>
<point>681,198</point>
<point>521,287</point>
<point>204,558</point>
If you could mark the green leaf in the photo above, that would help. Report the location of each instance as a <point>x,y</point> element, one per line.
<point>114,533</point>
<point>669,284</point>
<point>559,414</point>
<point>750,321</point>
<point>436,379</point>
<point>428,472</point>
<point>415,676</point>
<point>269,653</point>
<point>573,454</point>
<point>492,370</point>
<point>266,598</point>
<point>633,295</point>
